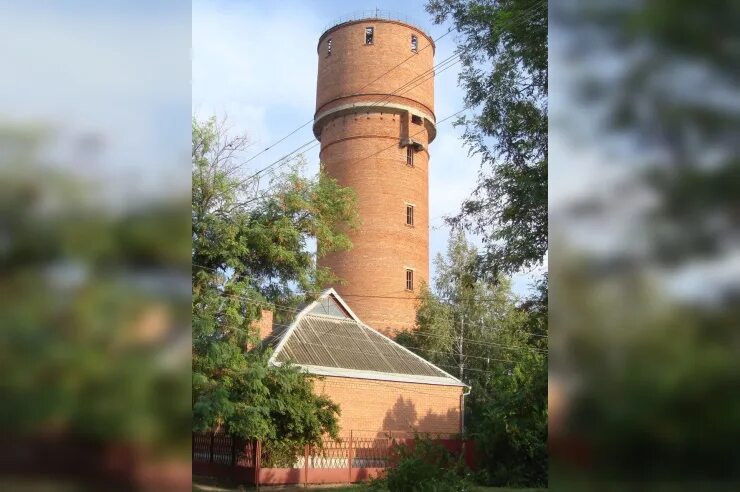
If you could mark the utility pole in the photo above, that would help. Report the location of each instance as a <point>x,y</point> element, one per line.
<point>460,346</point>
<point>462,370</point>
<point>488,359</point>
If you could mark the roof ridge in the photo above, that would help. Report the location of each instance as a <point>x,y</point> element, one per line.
<point>331,317</point>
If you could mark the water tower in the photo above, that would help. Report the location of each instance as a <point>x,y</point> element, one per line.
<point>375,120</point>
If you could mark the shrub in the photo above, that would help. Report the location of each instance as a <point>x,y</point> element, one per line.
<point>425,467</point>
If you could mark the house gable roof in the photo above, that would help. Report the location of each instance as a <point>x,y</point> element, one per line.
<point>327,338</point>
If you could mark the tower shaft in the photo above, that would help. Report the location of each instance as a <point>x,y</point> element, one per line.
<point>375,120</point>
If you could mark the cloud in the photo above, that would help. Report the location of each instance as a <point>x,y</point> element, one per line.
<point>258,66</point>
<point>112,74</point>
<point>258,63</point>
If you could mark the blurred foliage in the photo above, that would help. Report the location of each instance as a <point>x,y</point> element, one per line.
<point>92,313</point>
<point>502,348</point>
<point>648,380</point>
<point>503,48</point>
<point>656,384</point>
<point>670,91</point>
<point>249,251</point>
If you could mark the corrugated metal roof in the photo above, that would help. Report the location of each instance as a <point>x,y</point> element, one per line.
<point>344,343</point>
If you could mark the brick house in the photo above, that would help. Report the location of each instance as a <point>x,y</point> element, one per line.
<point>380,385</point>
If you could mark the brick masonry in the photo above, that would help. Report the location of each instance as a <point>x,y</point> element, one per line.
<point>353,64</point>
<point>383,245</point>
<point>374,406</point>
<point>263,326</point>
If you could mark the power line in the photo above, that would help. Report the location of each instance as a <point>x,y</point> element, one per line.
<point>358,92</point>
<point>468,340</point>
<point>310,293</point>
<point>357,160</point>
<point>422,77</point>
<point>415,134</point>
<point>381,102</point>
<point>429,72</point>
<point>521,17</point>
<point>356,351</point>
<point>404,61</point>
<point>347,349</point>
<point>293,310</point>
<point>494,344</point>
<point>374,354</point>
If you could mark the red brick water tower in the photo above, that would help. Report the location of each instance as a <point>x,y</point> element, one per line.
<point>375,120</point>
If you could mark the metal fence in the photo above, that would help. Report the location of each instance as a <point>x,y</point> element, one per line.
<point>222,449</point>
<point>352,458</point>
<point>373,14</point>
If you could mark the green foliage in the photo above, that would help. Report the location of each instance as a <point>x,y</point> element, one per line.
<point>676,130</point>
<point>476,323</point>
<point>646,358</point>
<point>467,307</point>
<point>250,250</point>
<point>273,404</point>
<point>90,345</point>
<point>657,396</point>
<point>503,48</point>
<point>508,420</point>
<point>425,467</point>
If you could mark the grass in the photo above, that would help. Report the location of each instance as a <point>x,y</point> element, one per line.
<point>350,488</point>
<point>207,484</point>
<point>357,488</point>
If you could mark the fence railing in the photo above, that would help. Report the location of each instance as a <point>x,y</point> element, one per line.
<point>373,14</point>
<point>352,458</point>
<point>222,449</point>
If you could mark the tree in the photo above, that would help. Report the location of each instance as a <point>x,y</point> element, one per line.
<point>503,48</point>
<point>668,104</point>
<point>472,327</point>
<point>642,366</point>
<point>650,373</point>
<point>91,323</point>
<point>249,251</point>
<point>461,307</point>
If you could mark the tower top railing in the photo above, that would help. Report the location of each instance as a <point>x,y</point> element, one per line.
<point>374,14</point>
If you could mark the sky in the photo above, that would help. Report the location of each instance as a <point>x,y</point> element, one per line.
<point>256,63</point>
<point>593,164</point>
<point>106,72</point>
<point>129,77</point>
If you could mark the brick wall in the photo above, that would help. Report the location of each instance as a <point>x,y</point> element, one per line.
<point>370,405</point>
<point>353,64</point>
<point>384,246</point>
<point>264,324</point>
